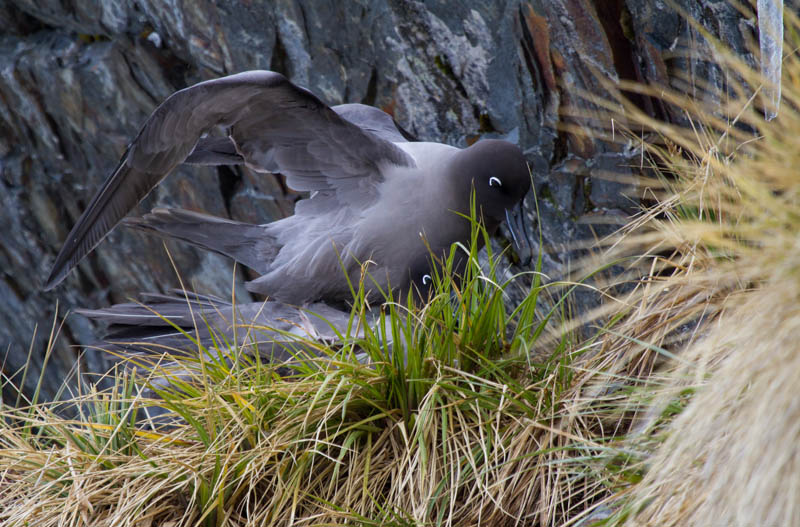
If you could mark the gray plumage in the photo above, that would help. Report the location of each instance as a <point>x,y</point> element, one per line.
<point>161,322</point>
<point>375,197</point>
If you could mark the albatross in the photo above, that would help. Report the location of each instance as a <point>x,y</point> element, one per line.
<point>375,197</point>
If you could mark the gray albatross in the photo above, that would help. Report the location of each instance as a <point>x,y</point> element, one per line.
<point>375,197</point>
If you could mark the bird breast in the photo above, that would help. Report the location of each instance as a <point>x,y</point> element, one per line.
<point>389,231</point>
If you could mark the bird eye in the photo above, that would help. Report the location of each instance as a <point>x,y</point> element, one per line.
<point>495,182</point>
<point>425,279</point>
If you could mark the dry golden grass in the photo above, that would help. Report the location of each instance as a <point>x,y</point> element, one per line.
<point>476,452</point>
<point>729,220</point>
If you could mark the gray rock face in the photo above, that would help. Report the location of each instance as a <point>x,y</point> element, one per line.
<point>77,79</point>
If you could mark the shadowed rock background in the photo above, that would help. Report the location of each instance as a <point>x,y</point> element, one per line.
<point>77,80</point>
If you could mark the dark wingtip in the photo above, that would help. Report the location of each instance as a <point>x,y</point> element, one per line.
<point>57,274</point>
<point>55,277</point>
<point>66,258</point>
<point>50,283</point>
<point>119,194</point>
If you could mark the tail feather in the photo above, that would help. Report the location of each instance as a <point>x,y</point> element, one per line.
<point>250,245</point>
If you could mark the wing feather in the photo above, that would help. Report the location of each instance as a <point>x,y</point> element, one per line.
<point>274,125</point>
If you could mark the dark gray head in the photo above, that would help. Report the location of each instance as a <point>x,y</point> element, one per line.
<point>499,174</point>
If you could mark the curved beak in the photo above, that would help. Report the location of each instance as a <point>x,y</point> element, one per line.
<point>515,219</point>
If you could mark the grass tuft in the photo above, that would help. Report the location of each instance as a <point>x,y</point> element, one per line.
<point>430,413</point>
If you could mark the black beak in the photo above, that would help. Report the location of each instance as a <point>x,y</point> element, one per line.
<point>515,219</point>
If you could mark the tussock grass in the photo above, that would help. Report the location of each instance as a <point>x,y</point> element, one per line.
<point>448,421</point>
<point>719,444</point>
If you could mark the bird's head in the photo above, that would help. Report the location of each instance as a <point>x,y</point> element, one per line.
<point>498,173</point>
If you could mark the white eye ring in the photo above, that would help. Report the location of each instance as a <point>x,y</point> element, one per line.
<point>493,180</point>
<point>425,279</point>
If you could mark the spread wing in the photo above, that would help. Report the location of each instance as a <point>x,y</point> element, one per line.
<point>275,127</point>
<point>373,119</point>
<point>222,150</point>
